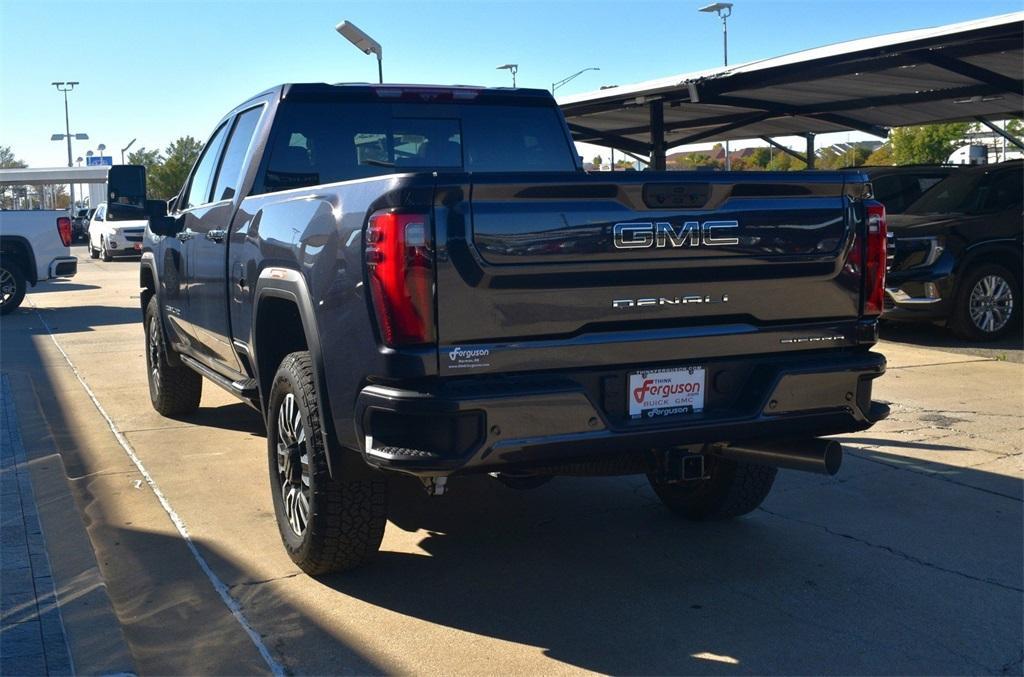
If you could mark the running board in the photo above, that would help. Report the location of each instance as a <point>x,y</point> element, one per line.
<point>245,389</point>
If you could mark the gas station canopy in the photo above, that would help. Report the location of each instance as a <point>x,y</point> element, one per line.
<point>969,71</point>
<point>40,176</point>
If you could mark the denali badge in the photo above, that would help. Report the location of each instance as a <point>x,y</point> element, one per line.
<point>669,301</point>
<point>661,234</point>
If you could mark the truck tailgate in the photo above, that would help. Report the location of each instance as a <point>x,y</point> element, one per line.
<point>574,270</point>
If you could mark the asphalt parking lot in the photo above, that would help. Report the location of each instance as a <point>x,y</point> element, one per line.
<point>907,562</point>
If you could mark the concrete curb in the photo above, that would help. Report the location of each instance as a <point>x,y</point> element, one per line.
<point>91,628</point>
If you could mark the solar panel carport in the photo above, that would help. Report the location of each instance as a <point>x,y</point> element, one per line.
<point>969,71</point>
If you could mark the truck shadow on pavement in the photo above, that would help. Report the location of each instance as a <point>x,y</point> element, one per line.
<point>599,575</point>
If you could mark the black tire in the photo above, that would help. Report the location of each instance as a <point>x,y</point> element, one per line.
<point>732,489</point>
<point>995,315</point>
<point>174,389</point>
<point>12,284</point>
<point>104,254</point>
<point>93,253</point>
<point>330,524</point>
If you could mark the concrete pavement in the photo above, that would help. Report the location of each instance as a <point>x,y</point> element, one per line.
<point>909,561</point>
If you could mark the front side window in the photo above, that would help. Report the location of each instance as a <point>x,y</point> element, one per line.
<point>230,173</point>
<point>202,177</point>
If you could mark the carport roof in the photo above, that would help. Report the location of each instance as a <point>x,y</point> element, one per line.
<point>957,72</point>
<point>35,176</point>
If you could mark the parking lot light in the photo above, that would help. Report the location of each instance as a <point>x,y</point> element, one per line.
<point>363,42</point>
<point>512,68</point>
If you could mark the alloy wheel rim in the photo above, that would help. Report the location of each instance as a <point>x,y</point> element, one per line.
<point>991,303</point>
<point>293,465</point>
<point>154,353</point>
<point>7,286</point>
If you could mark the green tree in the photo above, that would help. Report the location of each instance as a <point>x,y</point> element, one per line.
<point>760,157</point>
<point>597,161</point>
<point>167,178</point>
<point>881,156</point>
<point>927,144</point>
<point>8,161</point>
<point>149,159</point>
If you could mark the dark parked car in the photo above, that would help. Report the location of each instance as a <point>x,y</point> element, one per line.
<point>898,187</point>
<point>423,280</point>
<point>957,253</point>
<point>80,225</point>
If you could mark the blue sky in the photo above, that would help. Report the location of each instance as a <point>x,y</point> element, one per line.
<point>156,69</point>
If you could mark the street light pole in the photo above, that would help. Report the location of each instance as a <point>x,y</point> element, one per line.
<point>563,81</point>
<point>724,11</point>
<point>126,148</point>
<point>512,68</point>
<point>65,87</point>
<point>363,42</point>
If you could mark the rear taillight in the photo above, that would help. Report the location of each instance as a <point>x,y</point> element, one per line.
<point>400,268</point>
<point>874,259</point>
<point>64,230</point>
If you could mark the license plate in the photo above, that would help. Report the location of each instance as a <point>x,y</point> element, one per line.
<point>666,392</point>
<point>138,246</point>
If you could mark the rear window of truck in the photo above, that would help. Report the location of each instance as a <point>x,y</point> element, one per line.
<point>319,142</point>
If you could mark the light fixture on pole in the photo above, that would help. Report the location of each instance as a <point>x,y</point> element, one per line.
<point>126,148</point>
<point>556,85</point>
<point>102,147</point>
<point>363,42</point>
<point>512,68</point>
<point>724,11</point>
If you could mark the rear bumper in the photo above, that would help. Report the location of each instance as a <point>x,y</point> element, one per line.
<point>63,266</point>
<point>485,424</point>
<point>920,293</point>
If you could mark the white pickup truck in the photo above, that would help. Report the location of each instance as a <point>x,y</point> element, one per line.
<point>34,247</point>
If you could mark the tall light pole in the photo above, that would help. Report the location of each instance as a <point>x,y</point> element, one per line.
<point>563,81</point>
<point>130,143</point>
<point>363,42</point>
<point>724,11</point>
<point>512,68</point>
<point>64,88</point>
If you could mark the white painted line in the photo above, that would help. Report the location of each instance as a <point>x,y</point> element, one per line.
<point>222,590</point>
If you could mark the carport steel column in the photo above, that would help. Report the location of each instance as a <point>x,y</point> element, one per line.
<point>657,136</point>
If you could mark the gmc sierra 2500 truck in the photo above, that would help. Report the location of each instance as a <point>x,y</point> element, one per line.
<point>423,280</point>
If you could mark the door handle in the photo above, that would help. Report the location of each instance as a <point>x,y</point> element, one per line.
<point>216,235</point>
<point>184,235</point>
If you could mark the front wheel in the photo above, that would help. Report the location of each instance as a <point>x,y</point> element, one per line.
<point>174,389</point>
<point>326,523</point>
<point>93,252</point>
<point>12,285</point>
<point>731,489</point>
<point>987,304</point>
<point>103,251</point>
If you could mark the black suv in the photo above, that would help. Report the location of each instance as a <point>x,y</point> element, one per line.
<point>957,253</point>
<point>899,187</point>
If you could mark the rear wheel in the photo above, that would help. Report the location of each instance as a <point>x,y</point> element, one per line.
<point>12,284</point>
<point>987,304</point>
<point>326,523</point>
<point>732,488</point>
<point>174,390</point>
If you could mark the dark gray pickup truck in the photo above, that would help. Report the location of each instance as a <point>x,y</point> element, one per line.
<point>423,280</point>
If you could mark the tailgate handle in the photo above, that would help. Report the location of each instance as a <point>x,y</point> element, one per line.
<point>678,195</point>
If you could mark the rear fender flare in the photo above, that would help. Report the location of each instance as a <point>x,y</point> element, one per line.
<point>22,248</point>
<point>290,285</point>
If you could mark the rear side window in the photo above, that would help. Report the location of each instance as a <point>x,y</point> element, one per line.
<point>231,166</point>
<point>199,188</point>
<point>1003,190</point>
<point>324,142</point>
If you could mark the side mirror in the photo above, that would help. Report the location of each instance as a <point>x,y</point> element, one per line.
<point>159,222</point>
<point>126,192</point>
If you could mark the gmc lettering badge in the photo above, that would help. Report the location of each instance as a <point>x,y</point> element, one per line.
<point>662,234</point>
